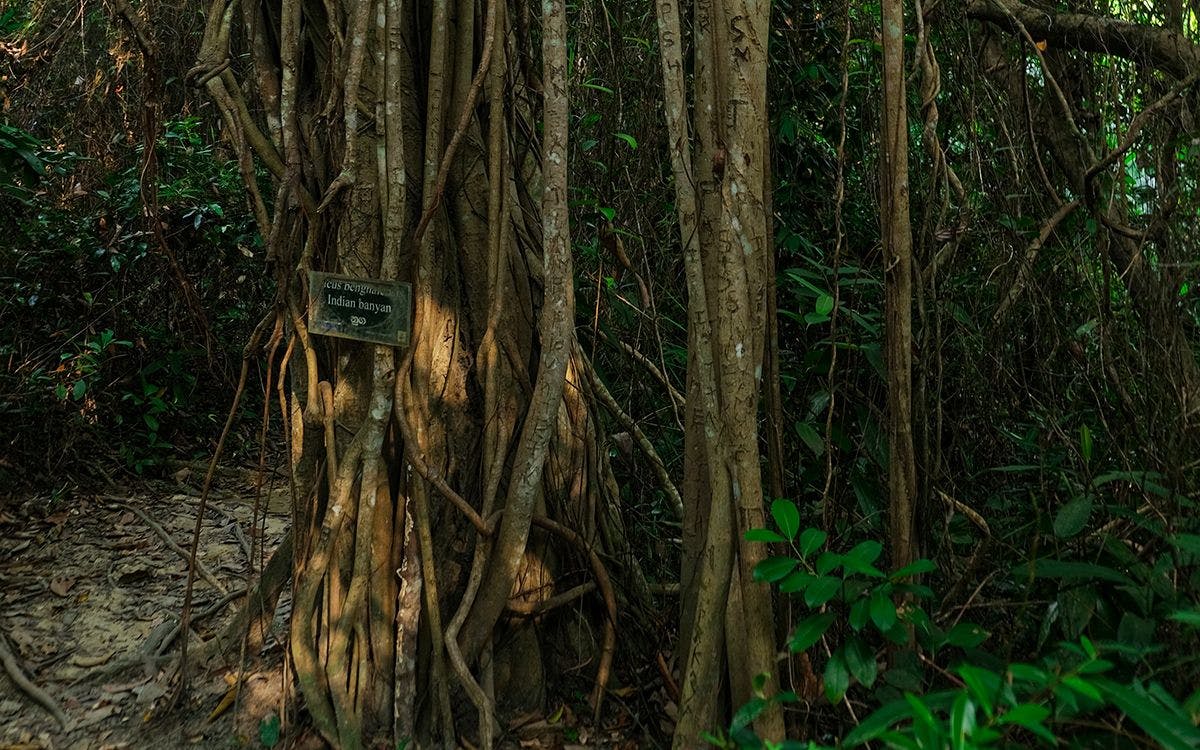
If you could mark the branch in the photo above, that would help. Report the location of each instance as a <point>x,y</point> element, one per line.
<point>1156,47</point>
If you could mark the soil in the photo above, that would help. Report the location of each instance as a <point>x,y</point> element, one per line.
<point>89,591</point>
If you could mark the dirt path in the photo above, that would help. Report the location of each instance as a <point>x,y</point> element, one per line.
<point>89,591</point>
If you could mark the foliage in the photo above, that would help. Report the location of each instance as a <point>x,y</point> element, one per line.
<point>979,702</point>
<point>101,351</point>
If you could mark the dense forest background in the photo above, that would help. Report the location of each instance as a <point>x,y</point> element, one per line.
<point>1054,191</point>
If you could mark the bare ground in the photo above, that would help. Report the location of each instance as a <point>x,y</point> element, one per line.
<point>89,593</point>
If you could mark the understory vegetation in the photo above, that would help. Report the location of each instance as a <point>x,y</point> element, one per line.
<point>1050,593</point>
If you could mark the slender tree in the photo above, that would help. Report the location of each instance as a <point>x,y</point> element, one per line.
<point>727,626</point>
<point>896,230</point>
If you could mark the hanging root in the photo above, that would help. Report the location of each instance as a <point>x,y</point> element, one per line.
<point>610,604</point>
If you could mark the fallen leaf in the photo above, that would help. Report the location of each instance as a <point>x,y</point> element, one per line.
<point>149,693</point>
<point>80,660</point>
<point>61,585</point>
<point>182,475</point>
<point>127,518</point>
<point>96,716</point>
<point>224,704</point>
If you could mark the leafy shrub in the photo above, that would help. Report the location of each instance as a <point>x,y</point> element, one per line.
<point>981,702</point>
<point>102,355</point>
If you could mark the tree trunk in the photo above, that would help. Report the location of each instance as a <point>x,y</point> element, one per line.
<point>727,623</point>
<point>427,480</point>
<point>897,256</point>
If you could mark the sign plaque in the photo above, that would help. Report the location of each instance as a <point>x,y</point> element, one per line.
<point>362,309</point>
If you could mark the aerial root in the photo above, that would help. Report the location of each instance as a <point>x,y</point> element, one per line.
<point>610,603</point>
<point>23,683</point>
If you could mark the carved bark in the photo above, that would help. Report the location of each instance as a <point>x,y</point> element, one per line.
<point>727,624</point>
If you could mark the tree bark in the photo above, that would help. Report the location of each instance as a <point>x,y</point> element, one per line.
<point>896,232</point>
<point>727,620</point>
<point>399,138</point>
<point>1164,49</point>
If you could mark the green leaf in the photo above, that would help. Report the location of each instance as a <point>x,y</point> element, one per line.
<point>966,635</point>
<point>914,568</point>
<point>810,630</point>
<point>608,213</point>
<point>821,591</point>
<point>1085,443</point>
<point>787,517</point>
<point>866,552</point>
<point>79,389</point>
<point>824,305</point>
<point>1030,717</point>
<point>920,712</point>
<point>860,613</point>
<point>1028,673</point>
<point>763,535</point>
<point>268,731</point>
<point>747,714</point>
<point>811,541</point>
<point>60,392</point>
<point>1025,715</point>
<point>883,611</point>
<point>1187,543</point>
<point>855,565</point>
<point>962,722</point>
<point>983,684</point>
<point>629,139</point>
<point>1187,617</point>
<point>774,568</point>
<point>1072,517</point>
<point>828,562</point>
<point>797,581</point>
<point>1083,687</point>
<point>1171,731</point>
<point>837,677</point>
<point>810,436</point>
<point>861,661</point>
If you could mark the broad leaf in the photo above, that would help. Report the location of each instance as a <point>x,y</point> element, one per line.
<point>811,541</point>
<point>821,590</point>
<point>1072,517</point>
<point>787,517</point>
<point>837,677</point>
<point>966,635</point>
<point>774,568</point>
<point>763,535</point>
<point>883,611</point>
<point>861,661</point>
<point>914,568</point>
<point>810,630</point>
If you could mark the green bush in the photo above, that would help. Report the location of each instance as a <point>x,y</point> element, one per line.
<point>976,700</point>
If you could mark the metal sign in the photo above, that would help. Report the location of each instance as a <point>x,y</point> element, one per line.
<point>360,309</point>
